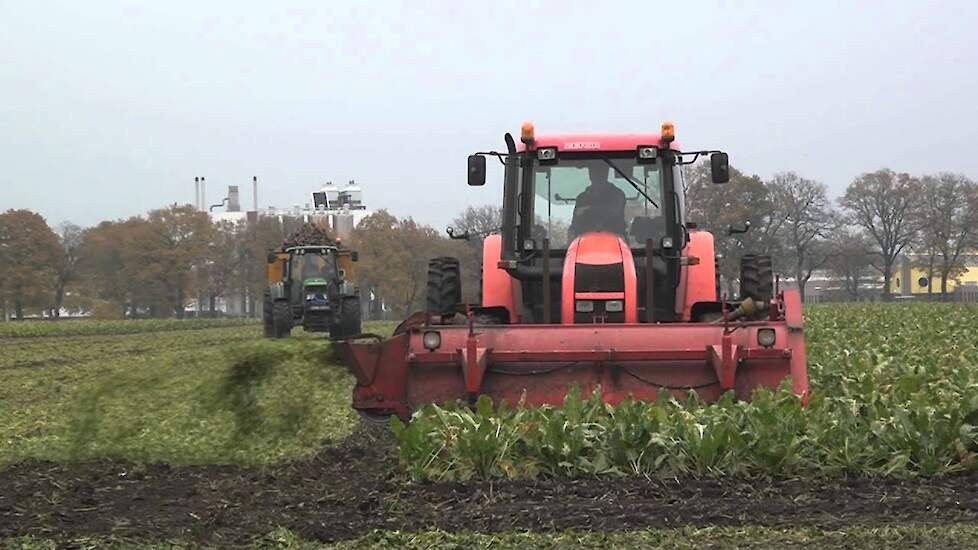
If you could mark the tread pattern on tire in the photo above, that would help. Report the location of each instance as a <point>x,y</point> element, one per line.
<point>756,278</point>
<point>444,286</point>
<point>348,322</point>
<point>282,319</point>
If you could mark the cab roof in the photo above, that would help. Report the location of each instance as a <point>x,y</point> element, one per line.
<point>596,142</point>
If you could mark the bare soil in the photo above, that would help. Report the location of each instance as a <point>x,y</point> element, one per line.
<point>354,487</point>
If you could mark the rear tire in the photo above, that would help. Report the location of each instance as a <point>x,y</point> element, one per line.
<point>756,278</point>
<point>348,320</point>
<point>444,286</point>
<point>281,319</point>
<point>266,315</point>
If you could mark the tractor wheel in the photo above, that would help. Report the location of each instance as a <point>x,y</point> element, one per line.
<point>266,315</point>
<point>281,319</point>
<point>348,321</point>
<point>444,286</point>
<point>756,278</point>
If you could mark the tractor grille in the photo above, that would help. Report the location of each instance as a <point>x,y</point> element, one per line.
<point>599,278</point>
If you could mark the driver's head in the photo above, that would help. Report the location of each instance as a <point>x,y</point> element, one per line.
<point>599,175</point>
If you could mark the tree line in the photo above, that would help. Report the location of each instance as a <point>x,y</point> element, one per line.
<point>155,265</point>
<point>858,237</point>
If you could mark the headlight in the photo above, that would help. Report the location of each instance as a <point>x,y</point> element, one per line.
<point>614,306</point>
<point>431,340</point>
<point>766,337</point>
<point>584,306</point>
<point>310,296</point>
<point>547,153</point>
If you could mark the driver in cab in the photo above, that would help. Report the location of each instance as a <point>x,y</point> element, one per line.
<point>600,207</point>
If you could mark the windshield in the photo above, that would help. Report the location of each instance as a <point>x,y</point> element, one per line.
<point>575,196</point>
<point>313,266</point>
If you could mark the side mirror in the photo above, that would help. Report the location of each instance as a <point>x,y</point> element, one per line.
<point>354,256</point>
<point>719,167</point>
<point>477,170</point>
<point>731,230</point>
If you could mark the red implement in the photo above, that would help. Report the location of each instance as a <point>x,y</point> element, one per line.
<point>542,362</point>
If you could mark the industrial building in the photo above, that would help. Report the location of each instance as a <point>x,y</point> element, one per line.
<point>341,208</point>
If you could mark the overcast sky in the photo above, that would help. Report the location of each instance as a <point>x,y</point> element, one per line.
<point>110,109</point>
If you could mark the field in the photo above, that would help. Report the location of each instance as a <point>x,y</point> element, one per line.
<point>200,433</point>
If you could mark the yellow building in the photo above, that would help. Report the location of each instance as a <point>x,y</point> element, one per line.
<point>910,279</point>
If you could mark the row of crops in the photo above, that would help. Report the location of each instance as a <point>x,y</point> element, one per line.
<point>30,329</point>
<point>895,393</point>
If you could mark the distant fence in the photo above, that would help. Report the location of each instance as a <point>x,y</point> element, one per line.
<point>962,295</point>
<point>836,298</point>
<point>966,293</point>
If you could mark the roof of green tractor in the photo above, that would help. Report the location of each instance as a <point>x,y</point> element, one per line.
<point>315,281</point>
<point>311,248</point>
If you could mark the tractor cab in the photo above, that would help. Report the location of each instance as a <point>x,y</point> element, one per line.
<point>313,266</point>
<point>603,213</point>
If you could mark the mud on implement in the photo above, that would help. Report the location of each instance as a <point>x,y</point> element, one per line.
<point>595,280</point>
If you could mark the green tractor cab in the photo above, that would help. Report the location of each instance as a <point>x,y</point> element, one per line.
<point>309,286</point>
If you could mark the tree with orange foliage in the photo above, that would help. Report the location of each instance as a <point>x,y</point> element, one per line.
<point>29,253</point>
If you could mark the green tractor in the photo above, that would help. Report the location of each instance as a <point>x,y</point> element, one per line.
<point>311,286</point>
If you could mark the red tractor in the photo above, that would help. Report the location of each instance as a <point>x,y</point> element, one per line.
<point>596,280</point>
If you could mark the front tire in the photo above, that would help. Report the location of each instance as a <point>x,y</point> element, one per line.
<point>444,286</point>
<point>348,321</point>
<point>281,319</point>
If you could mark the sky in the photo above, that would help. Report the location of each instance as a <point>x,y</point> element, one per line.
<point>109,109</point>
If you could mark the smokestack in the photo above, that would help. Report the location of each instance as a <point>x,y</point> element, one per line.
<point>197,192</point>
<point>254,191</point>
<point>203,193</point>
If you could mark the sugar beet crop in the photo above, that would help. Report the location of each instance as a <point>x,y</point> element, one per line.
<point>895,393</point>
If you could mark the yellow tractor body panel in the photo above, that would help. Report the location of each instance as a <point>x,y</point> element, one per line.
<point>275,268</point>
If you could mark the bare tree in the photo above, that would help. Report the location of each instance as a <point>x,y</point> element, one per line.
<point>808,220</point>
<point>71,237</point>
<point>717,208</point>
<point>477,222</point>
<point>851,258</point>
<point>883,203</point>
<point>948,213</point>
<point>217,272</point>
